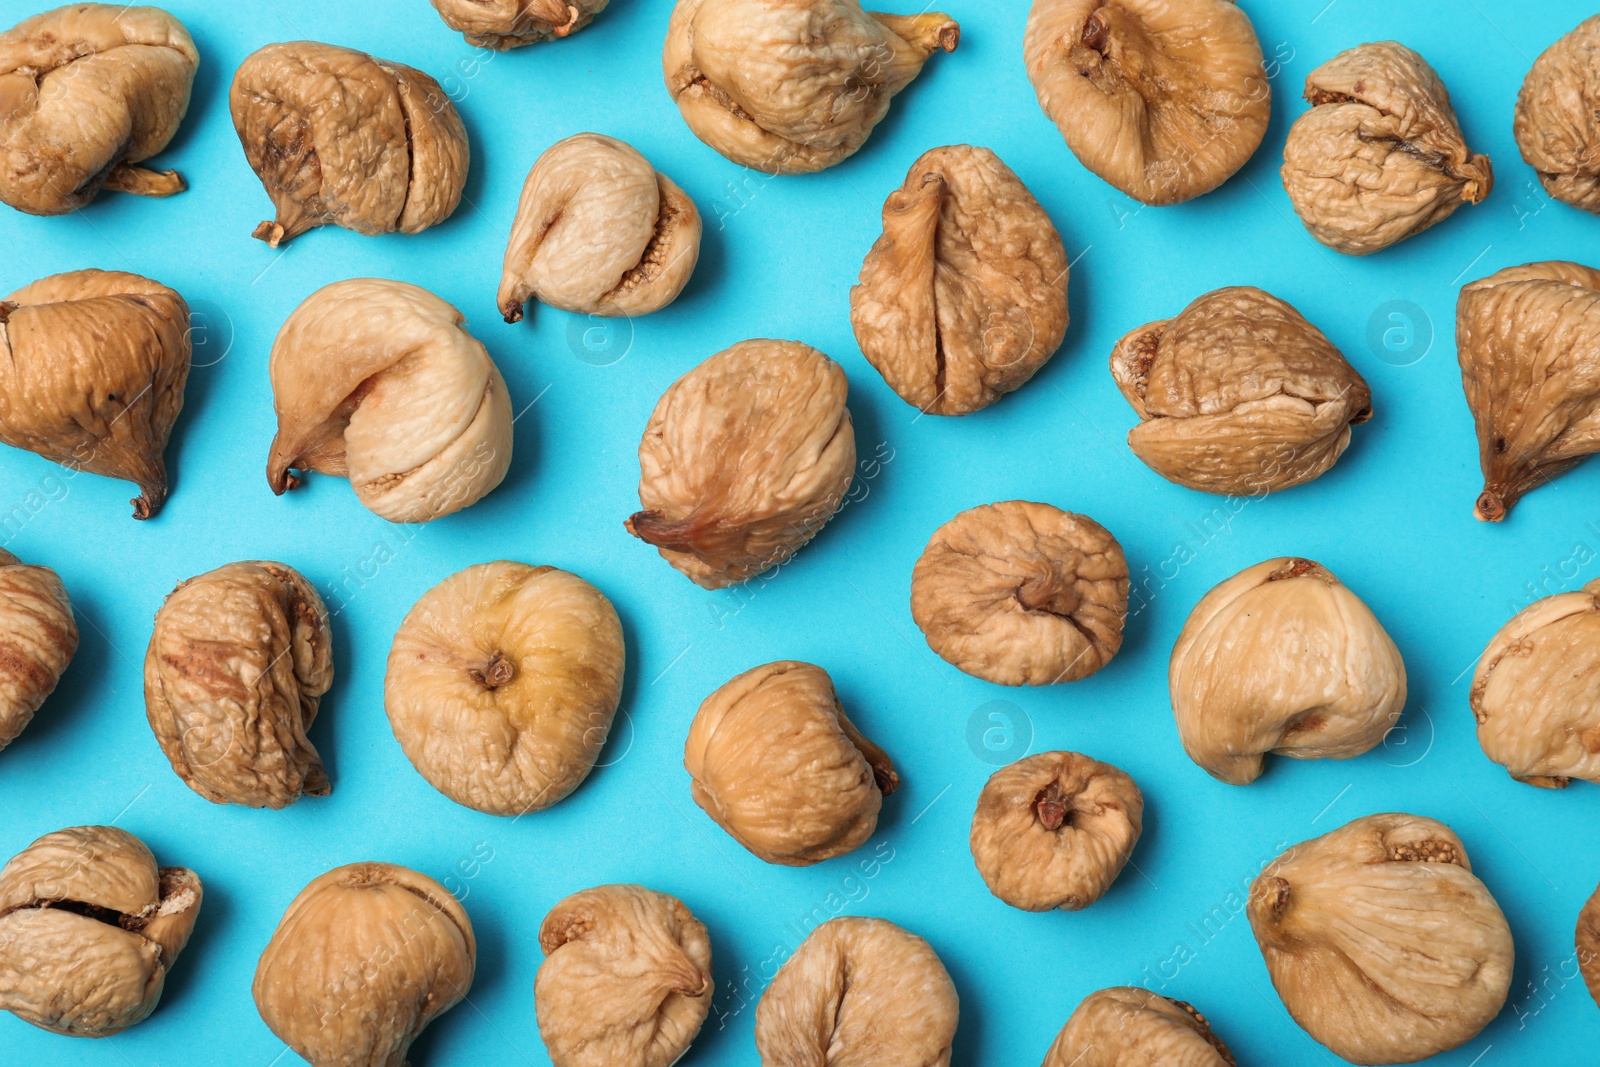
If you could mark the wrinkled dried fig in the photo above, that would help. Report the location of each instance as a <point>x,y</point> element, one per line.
<point>1557,121</point>
<point>598,231</point>
<point>1125,1026</point>
<point>793,86</point>
<point>380,382</point>
<point>363,960</point>
<point>503,24</point>
<point>338,136</point>
<point>1382,943</point>
<point>1238,395</point>
<point>1588,941</point>
<point>502,684</point>
<point>89,928</point>
<point>1164,99</point>
<point>1020,593</point>
<point>964,296</point>
<point>38,638</point>
<point>626,979</point>
<point>858,991</point>
<point>744,459</point>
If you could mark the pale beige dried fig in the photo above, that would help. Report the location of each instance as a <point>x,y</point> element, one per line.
<point>1125,1026</point>
<point>1588,942</point>
<point>38,638</point>
<point>89,930</point>
<point>1557,121</point>
<point>503,24</point>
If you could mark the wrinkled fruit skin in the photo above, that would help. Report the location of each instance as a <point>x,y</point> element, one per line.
<point>598,231</point>
<point>1382,943</point>
<point>793,86</point>
<point>505,24</point>
<point>1557,121</point>
<point>858,991</point>
<point>1238,395</point>
<point>233,677</point>
<point>89,928</point>
<point>1163,100</point>
<point>380,382</point>
<point>626,980</point>
<point>38,638</point>
<point>1588,942</point>
<point>964,296</point>
<point>744,459</point>
<point>339,137</point>
<point>1019,593</point>
<point>774,761</point>
<point>88,92</point>
<point>364,959</point>
<point>1125,1026</point>
<point>502,684</point>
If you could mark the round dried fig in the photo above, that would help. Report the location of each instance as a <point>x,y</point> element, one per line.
<point>626,978</point>
<point>38,638</point>
<point>380,382</point>
<point>774,760</point>
<point>502,684</point>
<point>503,24</point>
<point>744,459</point>
<point>964,296</point>
<point>1125,1026</point>
<point>1557,121</point>
<point>1588,941</point>
<point>89,929</point>
<point>1164,100</point>
<point>1380,940</point>
<point>338,136</point>
<point>92,369</point>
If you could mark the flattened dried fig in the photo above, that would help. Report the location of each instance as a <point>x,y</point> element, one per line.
<point>1238,395</point>
<point>964,296</point>
<point>503,24</point>
<point>1165,100</point>
<point>338,136</point>
<point>1125,1026</point>
<point>793,86</point>
<point>744,459</point>
<point>38,638</point>
<point>1588,940</point>
<point>380,382</point>
<point>1382,943</point>
<point>626,979</point>
<point>1557,121</point>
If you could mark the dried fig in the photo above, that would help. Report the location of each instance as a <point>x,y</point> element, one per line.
<point>598,231</point>
<point>380,382</point>
<point>1588,941</point>
<point>1125,1026</point>
<point>626,979</point>
<point>1557,121</point>
<point>87,93</point>
<point>1164,100</point>
<point>1238,395</point>
<point>1019,593</point>
<point>89,928</point>
<point>504,24</point>
<point>1382,943</point>
<point>38,638</point>
<point>744,459</point>
<point>964,296</point>
<point>364,959</point>
<point>858,991</point>
<point>502,684</point>
<point>236,669</point>
<point>338,136</point>
<point>1282,658</point>
<point>92,369</point>
<point>793,86</point>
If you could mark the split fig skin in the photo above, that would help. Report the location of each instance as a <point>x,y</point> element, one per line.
<point>1557,120</point>
<point>38,638</point>
<point>1125,1026</point>
<point>507,24</point>
<point>1588,943</point>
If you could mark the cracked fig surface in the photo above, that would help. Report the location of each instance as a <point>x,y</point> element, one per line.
<point>1125,1026</point>
<point>38,638</point>
<point>1557,120</point>
<point>505,24</point>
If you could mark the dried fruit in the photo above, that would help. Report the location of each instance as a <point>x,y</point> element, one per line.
<point>1238,395</point>
<point>626,980</point>
<point>503,24</point>
<point>598,231</point>
<point>744,459</point>
<point>1557,121</point>
<point>364,959</point>
<point>89,929</point>
<point>236,669</point>
<point>1125,1026</point>
<point>1588,941</point>
<point>502,684</point>
<point>1382,943</point>
<point>1020,593</point>
<point>381,383</point>
<point>793,86</point>
<point>338,136</point>
<point>964,296</point>
<point>92,369</point>
<point>38,638</point>
<point>1163,100</point>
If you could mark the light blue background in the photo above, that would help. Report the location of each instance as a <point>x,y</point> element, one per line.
<point>1393,519</point>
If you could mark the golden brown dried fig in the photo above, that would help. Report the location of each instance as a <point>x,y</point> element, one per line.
<point>89,929</point>
<point>1125,1026</point>
<point>1382,943</point>
<point>338,136</point>
<point>1588,941</point>
<point>964,296</point>
<point>38,638</point>
<point>1164,99</point>
<point>626,979</point>
<point>744,459</point>
<point>1557,121</point>
<point>793,86</point>
<point>364,959</point>
<point>380,382</point>
<point>503,24</point>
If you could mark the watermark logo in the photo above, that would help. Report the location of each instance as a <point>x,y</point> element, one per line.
<point>599,341</point>
<point>210,334</point>
<point>1399,333</point>
<point>999,732</point>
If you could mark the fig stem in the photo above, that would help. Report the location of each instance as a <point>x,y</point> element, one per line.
<point>496,673</point>
<point>1050,806</point>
